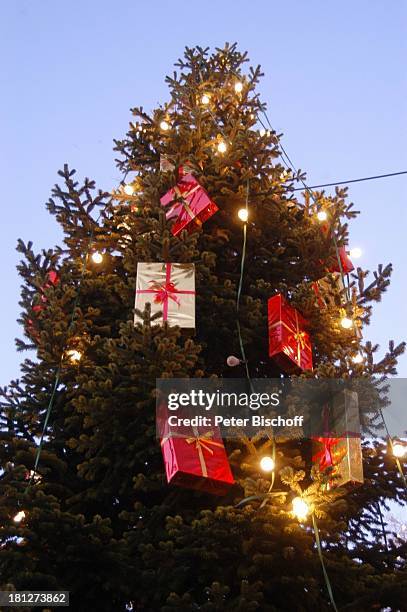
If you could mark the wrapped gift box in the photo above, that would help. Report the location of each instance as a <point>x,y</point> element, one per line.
<point>31,324</point>
<point>289,343</point>
<point>189,204</point>
<point>339,448</point>
<point>170,289</point>
<point>196,458</point>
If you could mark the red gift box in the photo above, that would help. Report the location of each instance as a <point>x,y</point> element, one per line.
<point>289,343</point>
<point>195,458</point>
<point>53,280</point>
<point>346,263</point>
<point>189,204</point>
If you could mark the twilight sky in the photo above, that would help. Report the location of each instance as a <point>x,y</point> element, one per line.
<point>335,83</point>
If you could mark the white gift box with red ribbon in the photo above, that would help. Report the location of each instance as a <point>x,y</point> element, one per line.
<point>170,289</point>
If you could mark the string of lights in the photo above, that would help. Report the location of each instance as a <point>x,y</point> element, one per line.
<point>357,180</point>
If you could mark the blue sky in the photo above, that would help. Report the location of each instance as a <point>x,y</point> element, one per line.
<point>335,83</point>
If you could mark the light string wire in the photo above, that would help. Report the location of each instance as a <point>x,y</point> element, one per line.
<point>357,180</point>
<point>239,289</point>
<point>290,165</point>
<point>60,365</point>
<point>346,284</point>
<point>321,558</point>
<point>244,243</point>
<point>316,532</point>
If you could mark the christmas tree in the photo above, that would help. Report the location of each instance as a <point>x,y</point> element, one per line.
<point>85,506</point>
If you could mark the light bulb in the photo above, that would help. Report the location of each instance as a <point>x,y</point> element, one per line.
<point>267,464</point>
<point>19,516</point>
<point>73,355</point>
<point>243,214</point>
<point>222,147</point>
<point>164,125</point>
<point>233,361</point>
<point>322,215</point>
<point>205,99</point>
<point>128,189</point>
<point>300,508</point>
<point>238,87</point>
<point>32,475</point>
<point>346,323</point>
<point>262,132</point>
<point>355,253</point>
<point>97,257</point>
<point>399,450</point>
<point>358,358</point>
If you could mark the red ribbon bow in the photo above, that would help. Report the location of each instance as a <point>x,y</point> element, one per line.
<point>164,292</point>
<point>324,456</point>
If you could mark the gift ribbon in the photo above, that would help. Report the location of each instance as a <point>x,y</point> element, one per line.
<point>165,291</point>
<point>182,204</point>
<point>202,442</point>
<point>324,456</point>
<point>296,334</point>
<point>299,337</point>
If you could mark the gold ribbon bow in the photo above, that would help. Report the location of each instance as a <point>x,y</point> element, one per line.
<point>202,442</point>
<point>182,200</point>
<point>296,333</point>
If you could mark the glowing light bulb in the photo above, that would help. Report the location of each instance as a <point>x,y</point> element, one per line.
<point>355,253</point>
<point>238,87</point>
<point>34,476</point>
<point>346,322</point>
<point>322,215</point>
<point>164,125</point>
<point>399,450</point>
<point>300,508</point>
<point>205,99</point>
<point>19,516</point>
<point>73,355</point>
<point>358,358</point>
<point>128,189</point>
<point>267,464</point>
<point>262,132</point>
<point>97,257</point>
<point>243,214</point>
<point>222,147</point>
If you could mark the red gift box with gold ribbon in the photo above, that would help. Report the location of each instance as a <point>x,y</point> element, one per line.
<point>188,203</point>
<point>195,458</point>
<point>289,344</point>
